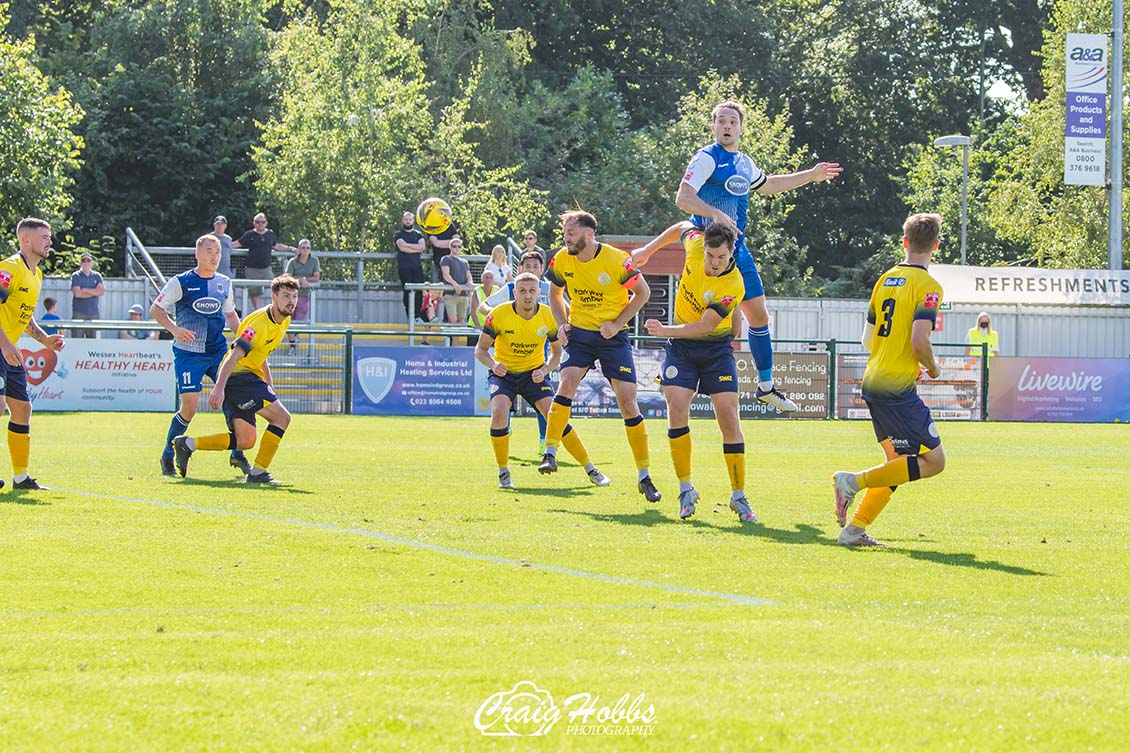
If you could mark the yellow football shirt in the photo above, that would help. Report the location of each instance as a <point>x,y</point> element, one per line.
<point>19,292</point>
<point>258,337</point>
<point>699,292</point>
<point>904,294</point>
<point>519,343</point>
<point>598,288</point>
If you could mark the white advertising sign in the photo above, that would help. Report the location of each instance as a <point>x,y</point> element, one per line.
<point>1084,146</point>
<point>1095,287</point>
<point>101,375</point>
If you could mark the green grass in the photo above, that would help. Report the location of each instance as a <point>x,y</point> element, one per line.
<point>149,614</point>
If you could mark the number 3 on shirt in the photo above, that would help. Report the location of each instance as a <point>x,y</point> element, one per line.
<point>888,314</point>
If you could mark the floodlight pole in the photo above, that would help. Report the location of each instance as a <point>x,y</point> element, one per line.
<point>963,142</point>
<point>1114,215</point>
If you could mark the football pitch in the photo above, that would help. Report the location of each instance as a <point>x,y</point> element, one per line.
<point>379,599</point>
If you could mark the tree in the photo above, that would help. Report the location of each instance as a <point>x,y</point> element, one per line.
<point>1062,226</point>
<point>39,151</point>
<point>353,141</point>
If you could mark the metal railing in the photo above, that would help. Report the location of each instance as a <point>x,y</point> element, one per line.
<point>138,259</point>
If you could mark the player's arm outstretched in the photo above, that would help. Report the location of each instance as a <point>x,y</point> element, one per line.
<point>819,172</point>
<point>637,297</point>
<point>920,344</point>
<point>643,254</point>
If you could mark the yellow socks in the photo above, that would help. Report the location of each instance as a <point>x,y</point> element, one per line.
<point>637,440</point>
<point>557,420</point>
<point>892,473</point>
<point>873,503</point>
<point>680,440</point>
<point>19,447</point>
<point>214,442</point>
<point>734,455</point>
<point>573,445</point>
<point>500,441</point>
<point>268,446</point>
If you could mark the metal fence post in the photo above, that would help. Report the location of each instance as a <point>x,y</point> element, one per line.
<point>833,385</point>
<point>347,373</point>
<point>360,289</point>
<point>984,381</point>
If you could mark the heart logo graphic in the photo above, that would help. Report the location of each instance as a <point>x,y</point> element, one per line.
<point>39,364</point>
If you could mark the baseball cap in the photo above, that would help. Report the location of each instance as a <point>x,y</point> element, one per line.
<point>136,309</point>
<point>220,218</point>
<point>87,257</point>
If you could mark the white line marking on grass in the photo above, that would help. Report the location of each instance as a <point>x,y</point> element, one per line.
<point>413,543</point>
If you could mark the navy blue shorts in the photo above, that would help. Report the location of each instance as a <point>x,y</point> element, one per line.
<point>13,382</point>
<point>191,368</point>
<point>519,383</point>
<point>587,346</point>
<point>245,395</point>
<point>906,421</point>
<point>705,366</point>
<point>748,267</point>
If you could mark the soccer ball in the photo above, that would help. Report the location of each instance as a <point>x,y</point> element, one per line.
<point>434,216</point>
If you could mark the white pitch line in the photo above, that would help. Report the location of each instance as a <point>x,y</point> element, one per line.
<point>413,543</point>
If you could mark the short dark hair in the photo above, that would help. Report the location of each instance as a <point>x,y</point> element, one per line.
<point>717,234</point>
<point>531,255</point>
<point>731,104</point>
<point>922,231</point>
<point>48,303</point>
<point>579,216</point>
<point>285,282</point>
<point>32,223</point>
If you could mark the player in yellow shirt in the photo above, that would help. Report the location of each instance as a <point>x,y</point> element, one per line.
<point>605,293</point>
<point>244,387</point>
<point>518,330</point>
<point>904,306</point>
<point>20,280</point>
<point>700,354</point>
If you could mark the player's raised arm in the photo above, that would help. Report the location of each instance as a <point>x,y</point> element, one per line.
<point>818,173</point>
<point>643,254</point>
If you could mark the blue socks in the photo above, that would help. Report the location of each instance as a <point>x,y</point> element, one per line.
<point>541,426</point>
<point>761,348</point>
<point>177,427</point>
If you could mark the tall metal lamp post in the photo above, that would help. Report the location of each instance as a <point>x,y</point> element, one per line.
<point>963,142</point>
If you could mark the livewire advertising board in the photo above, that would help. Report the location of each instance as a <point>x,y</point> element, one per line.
<point>1090,390</point>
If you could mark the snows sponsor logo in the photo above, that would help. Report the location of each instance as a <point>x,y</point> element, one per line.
<point>206,306</point>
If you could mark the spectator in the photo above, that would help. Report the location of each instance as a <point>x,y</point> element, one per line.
<point>456,273</point>
<point>220,230</point>
<point>440,246</point>
<point>136,311</point>
<point>480,294</point>
<point>530,240</point>
<point>500,265</point>
<point>259,242</point>
<point>983,333</point>
<point>410,245</point>
<point>87,287</point>
<point>49,306</point>
<point>308,270</point>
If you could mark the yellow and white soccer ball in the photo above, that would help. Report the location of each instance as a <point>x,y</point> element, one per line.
<point>433,216</point>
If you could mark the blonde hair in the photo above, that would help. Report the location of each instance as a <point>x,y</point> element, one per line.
<point>498,255</point>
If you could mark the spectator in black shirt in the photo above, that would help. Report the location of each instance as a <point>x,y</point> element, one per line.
<point>441,246</point>
<point>259,243</point>
<point>409,247</point>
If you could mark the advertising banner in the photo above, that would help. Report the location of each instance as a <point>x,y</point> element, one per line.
<point>1084,146</point>
<point>1092,390</point>
<point>101,375</point>
<point>979,285</point>
<point>419,382</point>
<point>954,396</point>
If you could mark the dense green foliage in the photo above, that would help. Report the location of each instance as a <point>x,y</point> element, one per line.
<point>335,115</point>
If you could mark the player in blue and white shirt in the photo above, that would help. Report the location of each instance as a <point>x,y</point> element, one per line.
<point>715,188</point>
<point>204,303</point>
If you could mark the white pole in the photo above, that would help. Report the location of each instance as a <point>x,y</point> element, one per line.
<point>964,195</point>
<point>1114,221</point>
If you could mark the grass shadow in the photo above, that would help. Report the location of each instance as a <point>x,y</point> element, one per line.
<point>21,497</point>
<point>228,485</point>
<point>552,491</point>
